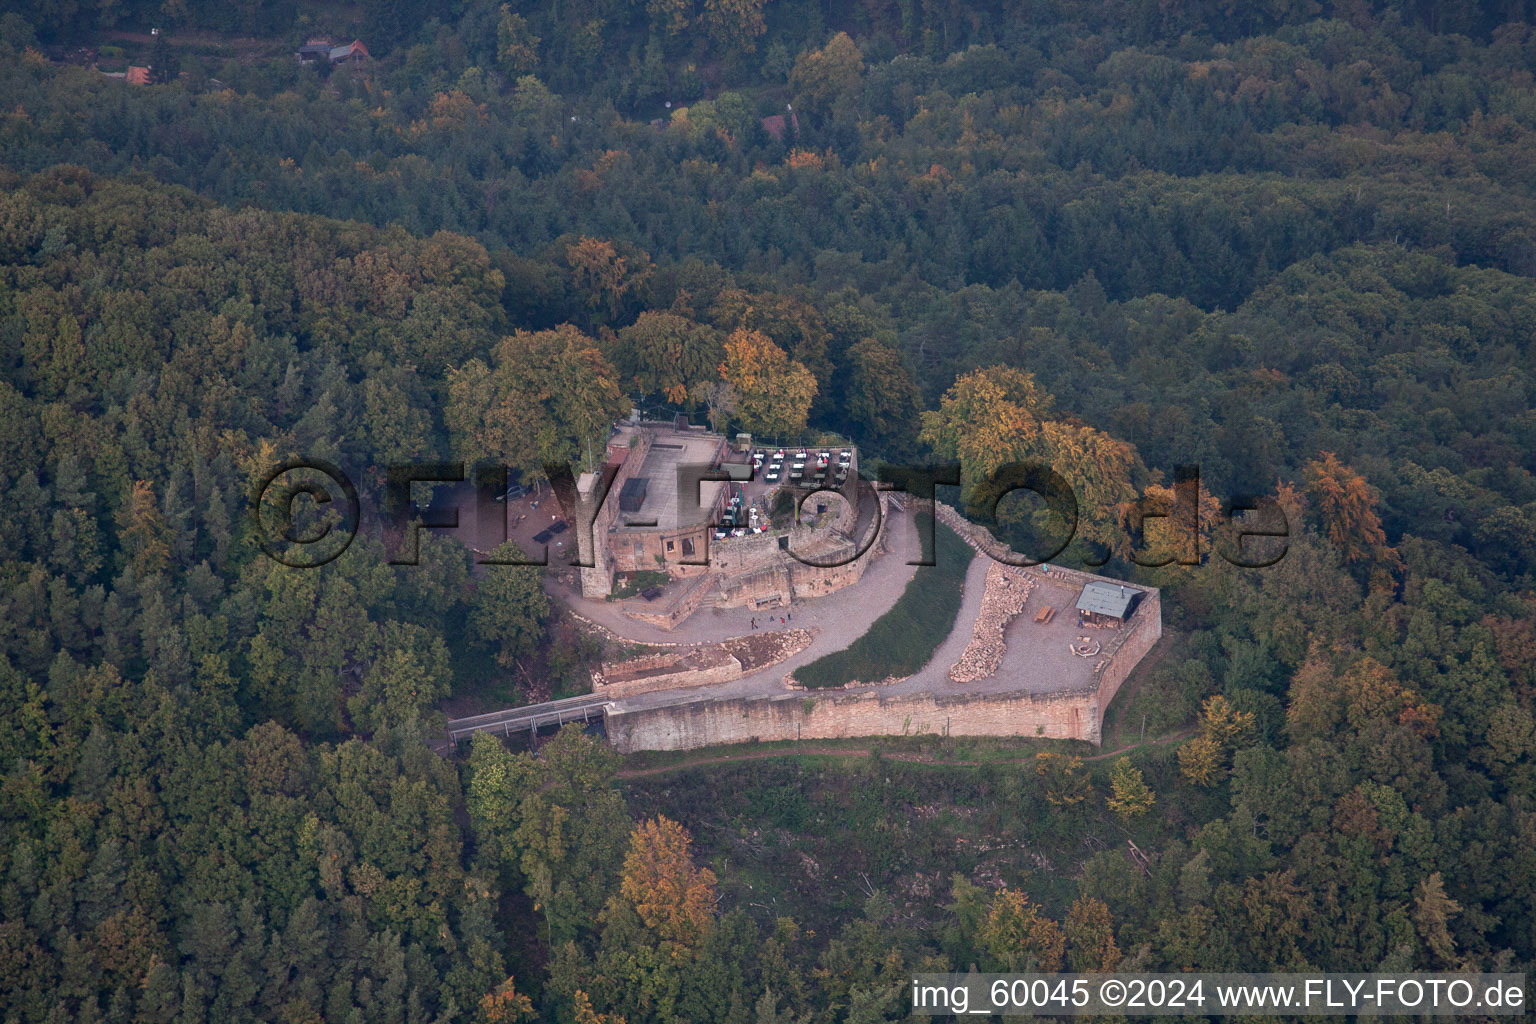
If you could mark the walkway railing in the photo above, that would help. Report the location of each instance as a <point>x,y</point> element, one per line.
<point>531,717</point>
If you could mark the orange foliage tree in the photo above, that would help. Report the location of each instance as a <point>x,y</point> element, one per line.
<point>1090,933</point>
<point>505,1005</point>
<point>602,273</point>
<point>997,416</point>
<point>673,897</point>
<point>1346,505</point>
<point>773,392</point>
<point>1324,700</point>
<point>1018,936</point>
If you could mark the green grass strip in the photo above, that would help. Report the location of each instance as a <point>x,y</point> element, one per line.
<point>903,639</point>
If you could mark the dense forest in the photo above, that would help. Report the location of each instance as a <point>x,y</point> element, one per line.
<point>1293,244</point>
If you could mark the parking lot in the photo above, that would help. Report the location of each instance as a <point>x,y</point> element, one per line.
<point>774,468</point>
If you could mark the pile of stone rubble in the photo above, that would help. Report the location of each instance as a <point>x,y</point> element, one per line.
<point>1006,592</point>
<point>760,650</point>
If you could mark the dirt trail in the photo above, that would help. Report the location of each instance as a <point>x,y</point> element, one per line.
<point>903,756</point>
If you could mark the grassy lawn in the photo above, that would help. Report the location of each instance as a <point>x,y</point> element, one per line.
<point>903,639</point>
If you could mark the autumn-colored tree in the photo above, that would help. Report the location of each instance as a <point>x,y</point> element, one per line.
<point>1432,913</point>
<point>1182,518</point>
<point>795,326</point>
<point>142,528</point>
<point>1019,937</point>
<point>773,392</point>
<point>1291,500</point>
<point>1313,698</point>
<point>582,1012</point>
<point>1090,935</point>
<point>1098,468</point>
<point>1200,760</point>
<point>1224,723</point>
<point>988,418</point>
<point>1063,778</point>
<point>505,1005</point>
<point>1129,796</point>
<point>1277,912</point>
<point>1204,759</point>
<point>998,416</point>
<point>602,274</point>
<point>1325,699</point>
<point>1346,505</point>
<point>673,897</point>
<point>670,16</point>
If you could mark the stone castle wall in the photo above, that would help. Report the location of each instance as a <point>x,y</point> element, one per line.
<point>668,616</point>
<point>755,572</point>
<point>836,714</point>
<point>667,672</point>
<point>597,577</point>
<point>839,714</point>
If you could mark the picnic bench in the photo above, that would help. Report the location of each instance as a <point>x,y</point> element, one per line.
<point>1044,616</point>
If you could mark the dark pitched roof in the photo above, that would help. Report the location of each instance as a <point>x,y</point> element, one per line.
<point>1104,598</point>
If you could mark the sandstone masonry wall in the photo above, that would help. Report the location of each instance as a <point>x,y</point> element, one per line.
<point>1074,715</point>
<point>1071,714</point>
<point>722,670</point>
<point>668,616</point>
<point>597,578</point>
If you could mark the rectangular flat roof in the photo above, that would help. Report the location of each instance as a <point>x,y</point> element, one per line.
<point>665,508</point>
<point>1103,598</point>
